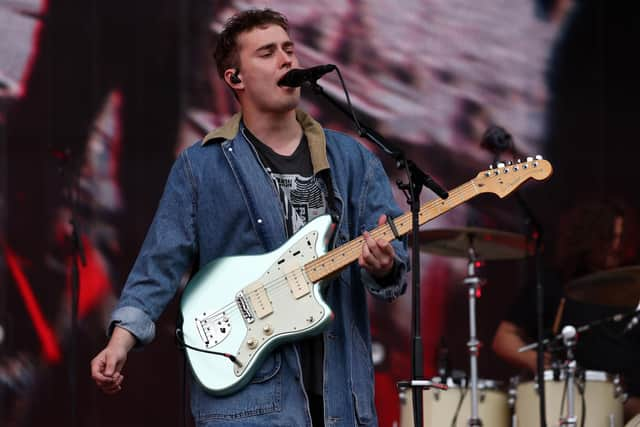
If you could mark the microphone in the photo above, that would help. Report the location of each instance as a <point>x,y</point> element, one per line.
<point>569,334</point>
<point>299,76</point>
<point>497,140</point>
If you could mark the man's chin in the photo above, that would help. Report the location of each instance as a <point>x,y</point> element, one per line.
<point>289,105</point>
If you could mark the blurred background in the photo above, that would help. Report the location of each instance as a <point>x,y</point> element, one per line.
<point>98,97</point>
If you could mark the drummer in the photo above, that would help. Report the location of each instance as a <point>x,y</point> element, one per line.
<point>593,237</point>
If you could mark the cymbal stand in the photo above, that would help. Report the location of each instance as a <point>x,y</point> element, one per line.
<point>474,283</point>
<point>569,337</point>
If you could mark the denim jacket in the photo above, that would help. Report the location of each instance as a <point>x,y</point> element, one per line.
<point>219,201</point>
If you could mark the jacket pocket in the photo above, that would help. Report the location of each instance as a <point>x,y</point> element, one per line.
<point>262,395</point>
<point>362,379</point>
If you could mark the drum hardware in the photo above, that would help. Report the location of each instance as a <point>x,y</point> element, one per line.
<point>512,395</point>
<point>474,244</point>
<point>489,244</point>
<point>474,283</point>
<point>618,391</point>
<point>619,287</point>
<point>599,401</point>
<point>420,385</point>
<point>453,407</point>
<point>568,373</point>
<point>618,317</point>
<point>570,337</point>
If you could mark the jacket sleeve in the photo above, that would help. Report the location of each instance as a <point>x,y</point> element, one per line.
<point>377,199</point>
<point>167,254</point>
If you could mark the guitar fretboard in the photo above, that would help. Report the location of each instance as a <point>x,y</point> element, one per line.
<point>344,255</point>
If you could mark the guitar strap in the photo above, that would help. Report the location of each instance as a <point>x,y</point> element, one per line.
<point>392,225</point>
<point>331,195</point>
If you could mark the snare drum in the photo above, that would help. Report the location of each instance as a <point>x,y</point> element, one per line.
<point>439,407</point>
<point>601,392</point>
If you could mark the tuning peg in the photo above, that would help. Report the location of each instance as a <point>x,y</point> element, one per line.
<point>529,159</point>
<point>491,166</point>
<point>538,157</point>
<point>500,165</point>
<point>519,161</point>
<point>509,162</point>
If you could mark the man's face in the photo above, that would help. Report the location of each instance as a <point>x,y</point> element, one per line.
<point>266,54</point>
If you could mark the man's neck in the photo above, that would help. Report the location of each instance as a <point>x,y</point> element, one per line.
<point>281,132</point>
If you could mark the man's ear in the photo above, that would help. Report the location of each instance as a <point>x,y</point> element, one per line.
<point>233,79</point>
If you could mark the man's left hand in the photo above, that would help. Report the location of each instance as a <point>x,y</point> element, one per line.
<point>377,255</point>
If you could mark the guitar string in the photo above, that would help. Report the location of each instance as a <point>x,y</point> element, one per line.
<point>355,246</point>
<point>456,197</point>
<point>351,248</point>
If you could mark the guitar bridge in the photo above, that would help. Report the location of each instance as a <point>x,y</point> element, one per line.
<point>213,329</point>
<point>243,306</point>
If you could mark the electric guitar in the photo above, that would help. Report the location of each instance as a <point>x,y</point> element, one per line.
<point>236,309</point>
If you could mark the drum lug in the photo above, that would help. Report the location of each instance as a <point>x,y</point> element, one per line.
<point>618,392</point>
<point>512,392</point>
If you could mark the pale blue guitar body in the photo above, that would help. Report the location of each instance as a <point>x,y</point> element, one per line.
<point>247,305</point>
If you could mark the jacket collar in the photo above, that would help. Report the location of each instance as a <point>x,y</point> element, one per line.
<point>311,128</point>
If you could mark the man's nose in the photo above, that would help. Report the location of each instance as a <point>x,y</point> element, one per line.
<point>286,59</point>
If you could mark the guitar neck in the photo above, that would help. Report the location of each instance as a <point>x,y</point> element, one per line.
<point>344,255</point>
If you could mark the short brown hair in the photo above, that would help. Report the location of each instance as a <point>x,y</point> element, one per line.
<point>226,52</point>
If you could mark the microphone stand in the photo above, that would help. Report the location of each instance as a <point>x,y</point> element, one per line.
<point>416,180</point>
<point>614,318</point>
<point>78,256</point>
<point>535,230</point>
<point>498,141</point>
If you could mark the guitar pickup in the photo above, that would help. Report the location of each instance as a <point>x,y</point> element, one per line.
<point>298,284</point>
<point>259,299</point>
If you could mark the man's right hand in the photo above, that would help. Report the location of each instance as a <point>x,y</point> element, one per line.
<point>106,367</point>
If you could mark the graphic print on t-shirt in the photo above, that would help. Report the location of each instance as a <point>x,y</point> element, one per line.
<point>302,199</point>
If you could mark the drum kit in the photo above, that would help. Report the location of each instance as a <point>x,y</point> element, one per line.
<point>568,389</point>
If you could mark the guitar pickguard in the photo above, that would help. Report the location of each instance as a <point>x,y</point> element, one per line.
<point>281,302</point>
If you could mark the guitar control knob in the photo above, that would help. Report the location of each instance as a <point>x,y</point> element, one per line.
<point>252,343</point>
<point>267,329</point>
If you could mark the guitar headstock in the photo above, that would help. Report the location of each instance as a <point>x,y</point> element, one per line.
<point>507,177</point>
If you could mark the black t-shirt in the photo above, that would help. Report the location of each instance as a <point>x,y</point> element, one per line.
<point>303,198</point>
<point>605,348</point>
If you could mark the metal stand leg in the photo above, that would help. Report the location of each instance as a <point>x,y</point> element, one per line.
<point>569,337</point>
<point>474,283</point>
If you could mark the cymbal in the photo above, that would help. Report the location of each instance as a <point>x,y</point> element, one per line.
<point>489,244</point>
<point>619,287</point>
